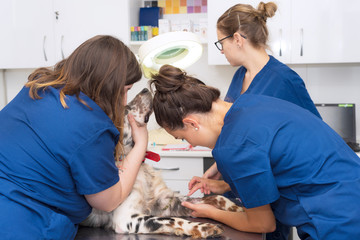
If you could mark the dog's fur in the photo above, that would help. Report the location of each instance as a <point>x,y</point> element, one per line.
<point>151,206</point>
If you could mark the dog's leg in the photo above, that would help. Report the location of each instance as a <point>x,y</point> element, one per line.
<point>219,202</point>
<point>146,224</point>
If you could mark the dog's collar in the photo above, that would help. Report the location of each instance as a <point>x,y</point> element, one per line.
<point>152,156</point>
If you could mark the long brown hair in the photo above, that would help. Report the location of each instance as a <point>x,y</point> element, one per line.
<point>178,94</point>
<point>249,21</point>
<point>100,68</point>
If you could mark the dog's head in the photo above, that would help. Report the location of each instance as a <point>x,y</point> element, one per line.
<point>141,108</point>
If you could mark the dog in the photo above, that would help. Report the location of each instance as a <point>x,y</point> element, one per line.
<point>151,207</point>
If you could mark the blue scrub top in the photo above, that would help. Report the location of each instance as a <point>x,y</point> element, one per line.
<point>273,152</point>
<point>275,79</point>
<point>50,157</point>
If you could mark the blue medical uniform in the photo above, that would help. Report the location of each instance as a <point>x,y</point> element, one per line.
<point>50,157</point>
<point>275,79</point>
<point>274,152</point>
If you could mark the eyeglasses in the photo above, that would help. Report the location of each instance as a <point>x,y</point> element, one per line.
<point>219,45</point>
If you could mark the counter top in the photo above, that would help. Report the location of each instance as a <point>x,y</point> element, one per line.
<point>86,233</point>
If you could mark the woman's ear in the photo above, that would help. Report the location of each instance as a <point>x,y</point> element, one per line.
<point>191,122</point>
<point>238,39</point>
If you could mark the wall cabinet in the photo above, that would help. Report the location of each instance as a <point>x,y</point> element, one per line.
<point>27,33</point>
<point>302,31</point>
<point>325,31</point>
<point>40,33</point>
<point>80,20</point>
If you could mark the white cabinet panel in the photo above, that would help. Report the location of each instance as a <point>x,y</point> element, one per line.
<point>26,33</point>
<point>82,19</point>
<point>40,33</point>
<point>302,31</point>
<point>279,28</point>
<point>325,31</point>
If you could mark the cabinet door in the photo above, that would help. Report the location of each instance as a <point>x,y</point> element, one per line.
<point>324,31</point>
<point>279,28</point>
<point>26,33</point>
<point>80,20</point>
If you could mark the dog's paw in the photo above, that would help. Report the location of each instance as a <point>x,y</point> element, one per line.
<point>205,230</point>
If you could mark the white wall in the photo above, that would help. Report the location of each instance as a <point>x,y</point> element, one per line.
<point>330,83</point>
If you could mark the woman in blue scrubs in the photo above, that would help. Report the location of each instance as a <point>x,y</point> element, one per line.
<point>280,159</point>
<point>59,138</point>
<point>243,37</point>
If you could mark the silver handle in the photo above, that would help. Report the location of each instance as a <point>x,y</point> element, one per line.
<point>44,51</point>
<point>280,51</point>
<point>167,169</point>
<point>61,47</point>
<point>302,42</point>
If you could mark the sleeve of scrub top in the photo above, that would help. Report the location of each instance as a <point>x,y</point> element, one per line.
<point>249,174</point>
<point>93,165</point>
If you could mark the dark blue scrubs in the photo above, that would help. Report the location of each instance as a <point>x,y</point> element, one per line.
<point>50,157</point>
<point>275,79</point>
<point>273,152</point>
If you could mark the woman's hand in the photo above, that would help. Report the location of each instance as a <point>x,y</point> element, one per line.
<point>200,210</point>
<point>212,173</point>
<point>207,186</point>
<point>260,219</point>
<point>139,133</point>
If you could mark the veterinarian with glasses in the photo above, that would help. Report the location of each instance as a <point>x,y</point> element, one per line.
<point>59,138</point>
<point>243,37</point>
<point>281,160</point>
